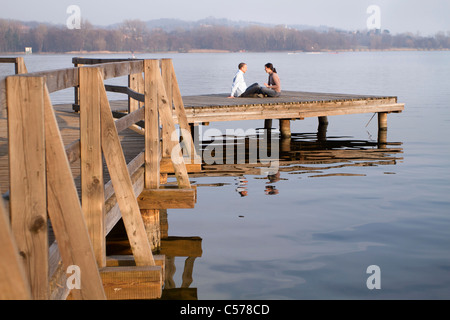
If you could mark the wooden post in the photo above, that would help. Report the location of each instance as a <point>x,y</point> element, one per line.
<point>167,75</point>
<point>152,178</point>
<point>65,212</point>
<point>268,124</point>
<point>21,68</point>
<point>152,147</point>
<point>382,120</point>
<point>171,147</point>
<point>12,274</point>
<point>28,199</point>
<point>323,120</point>
<point>322,129</point>
<point>136,83</point>
<point>175,96</point>
<point>285,128</point>
<point>92,189</point>
<point>121,181</point>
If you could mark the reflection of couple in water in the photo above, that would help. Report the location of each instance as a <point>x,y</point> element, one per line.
<point>269,190</point>
<point>242,186</point>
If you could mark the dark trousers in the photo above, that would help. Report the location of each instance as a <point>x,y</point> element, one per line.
<point>253,89</point>
<point>269,92</point>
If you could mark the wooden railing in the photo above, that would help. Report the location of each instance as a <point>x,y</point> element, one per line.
<point>81,222</point>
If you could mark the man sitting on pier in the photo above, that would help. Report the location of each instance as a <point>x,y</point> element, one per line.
<point>239,87</point>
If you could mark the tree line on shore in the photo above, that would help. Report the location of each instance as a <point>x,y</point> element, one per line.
<point>135,36</point>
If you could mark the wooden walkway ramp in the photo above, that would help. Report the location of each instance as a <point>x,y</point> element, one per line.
<point>68,178</point>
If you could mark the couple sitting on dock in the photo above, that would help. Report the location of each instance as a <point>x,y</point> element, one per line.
<point>270,89</point>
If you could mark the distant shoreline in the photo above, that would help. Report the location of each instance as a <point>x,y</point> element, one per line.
<point>220,51</point>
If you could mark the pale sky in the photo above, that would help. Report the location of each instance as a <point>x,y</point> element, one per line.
<point>426,17</point>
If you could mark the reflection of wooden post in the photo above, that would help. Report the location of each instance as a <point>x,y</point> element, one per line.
<point>322,129</point>
<point>382,139</point>
<point>285,128</point>
<point>285,145</point>
<point>187,273</point>
<point>170,271</point>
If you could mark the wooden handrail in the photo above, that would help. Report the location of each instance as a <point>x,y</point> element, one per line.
<point>126,90</point>
<point>101,204</point>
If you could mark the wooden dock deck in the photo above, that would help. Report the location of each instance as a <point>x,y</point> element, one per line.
<point>292,105</point>
<point>77,177</point>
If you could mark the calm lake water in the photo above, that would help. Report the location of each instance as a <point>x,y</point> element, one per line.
<point>312,232</point>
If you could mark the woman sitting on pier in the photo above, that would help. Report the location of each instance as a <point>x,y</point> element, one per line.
<point>273,87</point>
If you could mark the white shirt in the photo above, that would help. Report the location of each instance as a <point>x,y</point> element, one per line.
<point>239,86</point>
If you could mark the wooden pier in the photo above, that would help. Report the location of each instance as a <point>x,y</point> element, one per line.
<point>105,166</point>
<point>292,105</point>
<point>53,165</point>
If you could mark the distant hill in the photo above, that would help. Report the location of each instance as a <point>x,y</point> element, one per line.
<point>169,25</point>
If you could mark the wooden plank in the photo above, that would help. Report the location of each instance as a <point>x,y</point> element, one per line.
<point>152,139</point>
<point>167,198</point>
<point>128,261</point>
<point>21,68</point>
<point>112,206</point>
<point>123,186</point>
<point>132,283</point>
<point>65,212</point>
<point>166,166</point>
<point>13,280</point>
<point>130,119</point>
<point>200,115</point>
<point>182,246</point>
<point>171,145</point>
<point>179,294</point>
<point>180,112</point>
<point>57,80</point>
<point>28,200</point>
<point>135,83</point>
<point>119,69</point>
<point>92,190</point>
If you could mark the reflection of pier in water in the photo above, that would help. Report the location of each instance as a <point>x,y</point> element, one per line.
<point>310,154</point>
<point>170,247</point>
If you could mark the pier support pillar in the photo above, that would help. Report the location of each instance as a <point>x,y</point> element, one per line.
<point>323,120</point>
<point>268,124</point>
<point>382,129</point>
<point>152,227</point>
<point>382,120</point>
<point>322,129</point>
<point>285,128</point>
